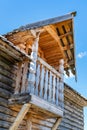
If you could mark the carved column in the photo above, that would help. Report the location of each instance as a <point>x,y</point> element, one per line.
<point>32,67</point>
<point>61,83</point>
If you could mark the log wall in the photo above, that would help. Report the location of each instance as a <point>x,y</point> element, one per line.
<point>73,112</point>
<point>73,118</point>
<point>7,80</point>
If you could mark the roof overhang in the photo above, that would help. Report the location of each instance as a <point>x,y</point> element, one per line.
<point>74,96</point>
<point>8,49</point>
<point>56,40</point>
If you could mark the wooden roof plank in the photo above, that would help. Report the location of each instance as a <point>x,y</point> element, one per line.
<point>53,33</point>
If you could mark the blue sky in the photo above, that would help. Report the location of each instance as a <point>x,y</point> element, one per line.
<point>14,13</point>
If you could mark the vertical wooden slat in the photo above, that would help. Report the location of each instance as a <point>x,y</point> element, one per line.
<point>57,92</point>
<point>42,81</point>
<point>54,83</point>
<point>18,78</point>
<point>46,85</point>
<point>61,88</point>
<point>50,87</point>
<point>29,124</point>
<point>37,79</point>
<point>24,77</point>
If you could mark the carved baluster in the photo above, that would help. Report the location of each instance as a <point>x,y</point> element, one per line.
<point>50,87</point>
<point>32,69</point>
<point>46,85</point>
<point>61,84</point>
<point>57,90</point>
<point>42,81</point>
<point>54,84</point>
<point>37,79</point>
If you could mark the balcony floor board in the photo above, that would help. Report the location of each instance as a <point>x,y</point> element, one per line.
<point>38,105</point>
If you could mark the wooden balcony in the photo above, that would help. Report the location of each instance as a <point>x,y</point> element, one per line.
<point>43,88</point>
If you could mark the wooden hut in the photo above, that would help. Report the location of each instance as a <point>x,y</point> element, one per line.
<point>33,95</point>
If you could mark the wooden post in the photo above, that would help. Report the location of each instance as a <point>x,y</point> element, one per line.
<point>58,121</point>
<point>54,83</point>
<point>46,85</point>
<point>20,116</point>
<point>50,87</point>
<point>57,93</point>
<point>61,83</point>
<point>24,77</point>
<point>32,67</point>
<point>18,79</point>
<point>42,81</point>
<point>37,79</point>
<point>29,122</point>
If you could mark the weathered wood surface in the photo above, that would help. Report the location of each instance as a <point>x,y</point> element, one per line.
<point>56,124</point>
<point>73,118</point>
<point>13,51</point>
<point>20,116</point>
<point>32,67</point>
<point>56,36</point>
<point>73,110</point>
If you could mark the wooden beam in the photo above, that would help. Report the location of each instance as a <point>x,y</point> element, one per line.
<point>48,66</point>
<point>51,30</point>
<point>46,106</point>
<point>20,116</point>
<point>68,47</point>
<point>58,121</point>
<point>66,34</point>
<point>29,122</point>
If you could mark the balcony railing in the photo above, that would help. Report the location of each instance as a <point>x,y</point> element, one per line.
<point>42,80</point>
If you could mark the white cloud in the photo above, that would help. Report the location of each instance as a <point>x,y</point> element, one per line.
<point>82,54</point>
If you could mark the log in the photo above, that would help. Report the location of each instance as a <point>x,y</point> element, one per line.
<point>56,123</point>
<point>20,116</point>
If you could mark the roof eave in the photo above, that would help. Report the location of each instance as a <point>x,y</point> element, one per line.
<point>45,22</point>
<point>83,100</point>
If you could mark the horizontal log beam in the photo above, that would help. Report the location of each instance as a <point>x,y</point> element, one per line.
<point>66,34</point>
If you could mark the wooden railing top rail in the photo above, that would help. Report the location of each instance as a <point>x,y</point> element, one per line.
<point>48,67</point>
